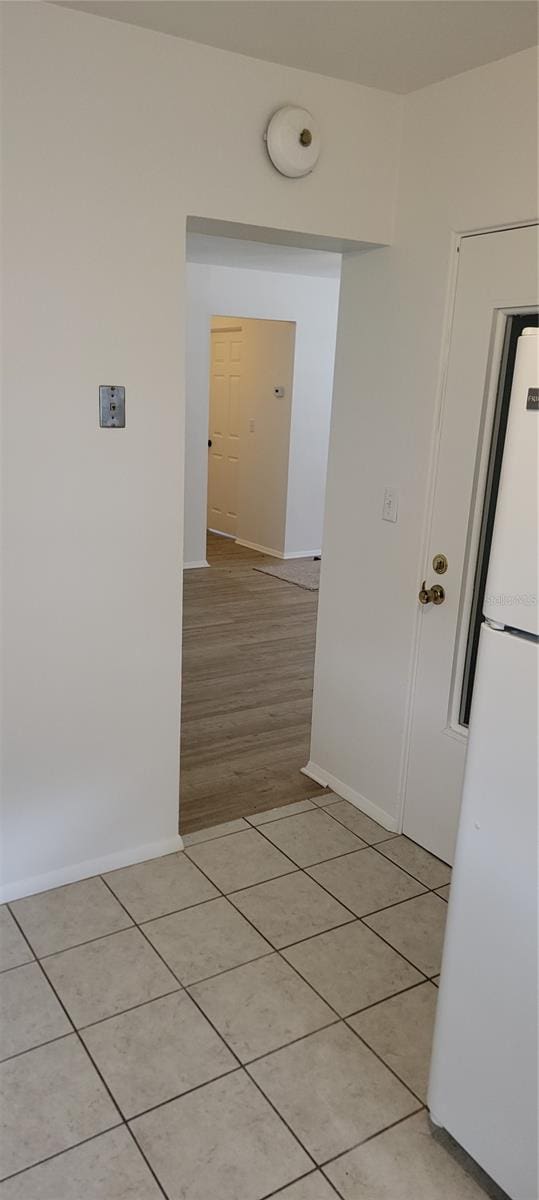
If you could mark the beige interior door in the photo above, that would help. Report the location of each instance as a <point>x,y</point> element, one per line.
<point>497,275</point>
<point>224,435</point>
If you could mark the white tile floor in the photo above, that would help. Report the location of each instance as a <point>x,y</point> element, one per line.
<point>250,1018</point>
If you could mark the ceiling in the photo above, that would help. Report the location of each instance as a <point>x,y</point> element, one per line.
<point>261,256</point>
<point>397,45</point>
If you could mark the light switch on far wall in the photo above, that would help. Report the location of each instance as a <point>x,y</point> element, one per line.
<point>391,504</point>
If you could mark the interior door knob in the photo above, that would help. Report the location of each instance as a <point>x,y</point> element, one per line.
<point>432,595</point>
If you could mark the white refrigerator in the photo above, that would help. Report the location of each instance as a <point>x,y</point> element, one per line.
<point>484,1072</point>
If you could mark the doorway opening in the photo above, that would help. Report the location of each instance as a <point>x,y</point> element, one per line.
<point>259,392</point>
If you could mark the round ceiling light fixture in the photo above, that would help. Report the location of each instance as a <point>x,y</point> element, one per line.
<point>293,141</point>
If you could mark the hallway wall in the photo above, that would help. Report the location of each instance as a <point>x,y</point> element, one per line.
<point>110,140</point>
<point>312,303</point>
<point>469,162</point>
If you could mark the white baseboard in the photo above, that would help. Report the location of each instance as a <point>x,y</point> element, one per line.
<point>193,566</point>
<point>219,533</point>
<point>260,549</point>
<point>85,870</point>
<point>274,553</point>
<point>304,554</point>
<point>325,779</point>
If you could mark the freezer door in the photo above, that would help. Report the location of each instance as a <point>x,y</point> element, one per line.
<point>483,1083</point>
<point>511,591</point>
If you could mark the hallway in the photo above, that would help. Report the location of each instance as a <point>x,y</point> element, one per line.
<point>247,680</point>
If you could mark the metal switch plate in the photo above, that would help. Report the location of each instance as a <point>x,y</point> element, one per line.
<point>111,406</point>
<point>391,504</point>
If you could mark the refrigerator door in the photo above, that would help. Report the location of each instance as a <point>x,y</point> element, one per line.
<point>483,1082</point>
<point>511,591</point>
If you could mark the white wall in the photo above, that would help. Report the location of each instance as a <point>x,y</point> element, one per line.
<point>311,302</point>
<point>469,161</point>
<point>110,140</point>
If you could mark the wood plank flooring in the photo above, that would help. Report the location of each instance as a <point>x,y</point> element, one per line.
<point>247,681</point>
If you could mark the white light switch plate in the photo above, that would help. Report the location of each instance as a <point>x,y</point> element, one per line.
<point>391,504</point>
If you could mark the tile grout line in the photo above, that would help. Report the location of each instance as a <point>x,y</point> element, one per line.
<point>93,1064</point>
<point>271,948</point>
<point>365,846</point>
<point>241,1066</point>
<point>60,1037</point>
<point>378,846</point>
<point>59,1153</point>
<point>74,1032</point>
<point>245,1066</point>
<point>29,962</point>
<point>332,857</point>
<point>363,1142</point>
<point>276,950</point>
<point>300,1178</point>
<point>345,854</point>
<point>343,1020</point>
<point>406,871</point>
<point>89,941</point>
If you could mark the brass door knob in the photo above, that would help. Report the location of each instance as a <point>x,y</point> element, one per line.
<point>432,595</point>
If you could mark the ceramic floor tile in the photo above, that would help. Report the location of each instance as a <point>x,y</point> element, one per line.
<point>261,1006</point>
<point>275,814</point>
<point>332,1091</point>
<point>416,928</point>
<point>50,1099</point>
<point>443,892</point>
<point>107,976</point>
<point>156,1052</point>
<point>311,837</point>
<point>365,881</point>
<point>400,1032</point>
<point>223,1140</point>
<point>367,829</point>
<point>240,860</point>
<point>205,940</point>
<point>14,950</point>
<point>207,835</point>
<point>351,967</point>
<point>435,979</point>
<point>413,858</point>
<point>313,1187</point>
<point>290,908</point>
<point>109,1167</point>
<point>29,1011</point>
<point>325,799</point>
<point>162,885</point>
<point>405,1162</point>
<point>69,915</point>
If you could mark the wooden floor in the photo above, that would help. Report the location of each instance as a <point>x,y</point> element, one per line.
<point>247,679</point>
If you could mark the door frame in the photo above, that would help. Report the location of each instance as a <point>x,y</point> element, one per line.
<point>456,239</point>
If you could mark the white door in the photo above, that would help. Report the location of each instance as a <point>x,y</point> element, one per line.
<point>497,275</point>
<point>224,440</point>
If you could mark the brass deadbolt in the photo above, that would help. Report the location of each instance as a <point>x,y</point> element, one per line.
<point>305,137</point>
<point>439,564</point>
